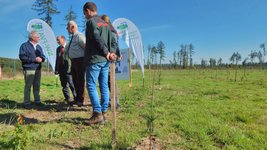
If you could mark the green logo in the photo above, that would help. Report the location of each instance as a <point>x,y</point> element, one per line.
<point>122,26</point>
<point>37,26</point>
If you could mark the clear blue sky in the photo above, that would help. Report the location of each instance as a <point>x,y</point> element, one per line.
<point>216,28</point>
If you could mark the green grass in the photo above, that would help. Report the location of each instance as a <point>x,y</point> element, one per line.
<point>195,109</point>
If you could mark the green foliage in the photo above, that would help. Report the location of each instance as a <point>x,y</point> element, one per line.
<point>161,51</point>
<point>150,122</point>
<point>19,139</point>
<point>71,15</point>
<point>54,133</point>
<point>150,117</point>
<point>46,8</point>
<point>12,67</point>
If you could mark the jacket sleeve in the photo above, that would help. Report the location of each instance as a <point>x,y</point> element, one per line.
<point>113,43</point>
<point>42,53</point>
<point>100,43</point>
<point>24,56</point>
<point>67,58</point>
<point>56,64</point>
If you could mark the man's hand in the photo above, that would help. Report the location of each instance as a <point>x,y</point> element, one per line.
<point>119,58</point>
<point>111,56</point>
<point>38,59</point>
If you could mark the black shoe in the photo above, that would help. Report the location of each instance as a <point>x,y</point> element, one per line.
<point>40,104</point>
<point>71,103</point>
<point>79,104</point>
<point>67,101</point>
<point>28,106</point>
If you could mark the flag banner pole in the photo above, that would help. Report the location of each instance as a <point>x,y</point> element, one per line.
<point>130,67</point>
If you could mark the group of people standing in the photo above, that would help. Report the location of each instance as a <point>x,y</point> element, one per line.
<point>83,58</point>
<point>70,64</point>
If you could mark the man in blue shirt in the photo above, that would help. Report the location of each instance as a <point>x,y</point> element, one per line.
<point>32,56</point>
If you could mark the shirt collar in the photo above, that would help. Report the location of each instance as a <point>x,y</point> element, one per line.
<point>34,44</point>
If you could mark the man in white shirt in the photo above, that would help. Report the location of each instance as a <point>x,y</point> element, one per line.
<point>75,51</point>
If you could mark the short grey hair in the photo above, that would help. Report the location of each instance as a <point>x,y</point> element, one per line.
<point>32,34</point>
<point>73,23</point>
<point>62,37</point>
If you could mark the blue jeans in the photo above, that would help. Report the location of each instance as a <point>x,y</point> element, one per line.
<point>98,72</point>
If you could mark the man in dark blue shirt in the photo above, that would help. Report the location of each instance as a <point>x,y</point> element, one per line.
<point>32,56</point>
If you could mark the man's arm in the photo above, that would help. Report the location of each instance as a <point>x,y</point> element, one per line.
<point>23,56</point>
<point>56,64</point>
<point>82,41</point>
<point>42,53</point>
<point>113,43</point>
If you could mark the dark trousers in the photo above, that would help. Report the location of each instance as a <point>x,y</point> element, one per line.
<point>78,72</point>
<point>66,82</point>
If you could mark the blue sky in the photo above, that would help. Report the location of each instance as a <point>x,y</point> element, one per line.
<point>216,28</point>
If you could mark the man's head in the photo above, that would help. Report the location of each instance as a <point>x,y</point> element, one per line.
<point>89,10</point>
<point>61,40</point>
<point>34,37</point>
<point>105,18</point>
<point>72,27</point>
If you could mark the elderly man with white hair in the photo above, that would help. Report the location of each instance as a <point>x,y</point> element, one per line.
<point>32,56</point>
<point>75,51</point>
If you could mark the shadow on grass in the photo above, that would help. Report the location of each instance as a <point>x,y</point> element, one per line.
<point>61,106</point>
<point>11,119</point>
<point>10,104</point>
<point>50,105</point>
<point>47,84</point>
<point>95,146</point>
<point>105,146</point>
<point>76,121</point>
<point>9,116</point>
<point>76,145</point>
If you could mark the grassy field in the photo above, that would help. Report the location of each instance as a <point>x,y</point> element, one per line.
<point>194,109</point>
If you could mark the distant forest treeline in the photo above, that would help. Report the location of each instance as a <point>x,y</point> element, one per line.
<point>12,67</point>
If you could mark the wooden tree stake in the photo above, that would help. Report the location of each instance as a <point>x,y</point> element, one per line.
<point>113,103</point>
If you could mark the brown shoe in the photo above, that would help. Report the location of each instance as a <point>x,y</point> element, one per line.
<point>105,116</point>
<point>97,118</point>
